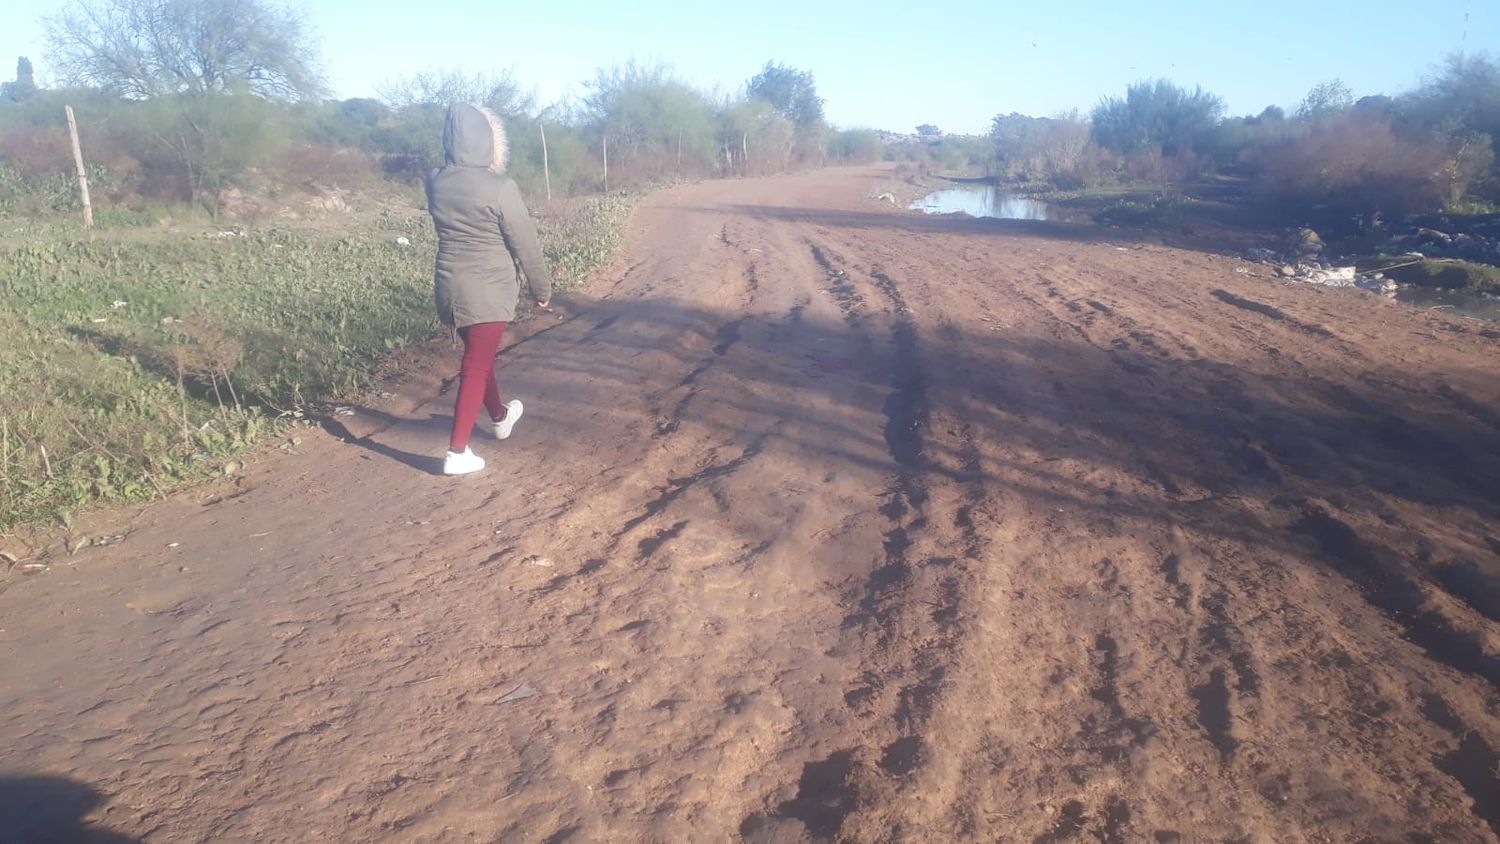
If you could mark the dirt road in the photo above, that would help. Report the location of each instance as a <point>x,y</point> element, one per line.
<point>826,521</point>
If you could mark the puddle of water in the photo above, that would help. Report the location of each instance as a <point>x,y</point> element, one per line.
<point>983,201</point>
<point>1452,302</point>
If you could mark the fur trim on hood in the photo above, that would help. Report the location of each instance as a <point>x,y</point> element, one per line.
<point>474,137</point>
<point>499,142</point>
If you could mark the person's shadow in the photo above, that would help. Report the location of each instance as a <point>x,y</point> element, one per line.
<point>422,463</point>
<point>43,810</point>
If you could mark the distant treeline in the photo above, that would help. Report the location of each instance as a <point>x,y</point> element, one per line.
<point>184,100</point>
<point>1429,149</point>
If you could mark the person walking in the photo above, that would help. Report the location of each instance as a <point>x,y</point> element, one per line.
<point>484,234</point>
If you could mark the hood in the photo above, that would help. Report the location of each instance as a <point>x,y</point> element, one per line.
<point>474,137</point>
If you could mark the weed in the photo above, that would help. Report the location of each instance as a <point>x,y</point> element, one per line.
<point>134,361</point>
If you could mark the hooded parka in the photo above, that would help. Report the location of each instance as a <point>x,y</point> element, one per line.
<point>484,233</point>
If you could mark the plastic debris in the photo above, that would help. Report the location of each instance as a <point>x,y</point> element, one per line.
<point>521,692</point>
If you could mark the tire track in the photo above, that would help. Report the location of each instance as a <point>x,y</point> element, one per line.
<point>1388,588</point>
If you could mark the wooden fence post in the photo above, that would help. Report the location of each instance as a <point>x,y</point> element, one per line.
<point>83,178</point>
<point>546,169</point>
<point>606,164</point>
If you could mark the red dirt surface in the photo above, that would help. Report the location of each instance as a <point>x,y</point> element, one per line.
<point>826,521</point>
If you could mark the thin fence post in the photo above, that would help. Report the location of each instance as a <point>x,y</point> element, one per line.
<point>745,150</point>
<point>83,178</point>
<point>546,169</point>
<point>606,164</point>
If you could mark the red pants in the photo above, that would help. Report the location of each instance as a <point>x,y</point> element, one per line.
<point>476,381</point>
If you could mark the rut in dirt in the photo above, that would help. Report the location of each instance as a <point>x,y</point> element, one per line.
<point>901,678</point>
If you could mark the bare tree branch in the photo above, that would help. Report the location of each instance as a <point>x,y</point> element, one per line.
<point>141,49</point>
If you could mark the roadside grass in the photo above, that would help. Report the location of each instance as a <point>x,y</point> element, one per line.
<point>1449,274</point>
<point>135,360</point>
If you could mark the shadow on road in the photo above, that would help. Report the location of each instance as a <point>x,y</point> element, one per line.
<point>1139,429</point>
<point>48,809</point>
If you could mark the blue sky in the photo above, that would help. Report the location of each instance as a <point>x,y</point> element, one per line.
<point>894,65</point>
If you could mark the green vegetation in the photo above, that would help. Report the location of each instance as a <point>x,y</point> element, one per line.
<point>138,360</point>
<point>856,146</point>
<point>1156,211</point>
<point>141,362</point>
<point>1450,275</point>
<point>932,152</point>
<point>1054,152</point>
<point>1155,117</point>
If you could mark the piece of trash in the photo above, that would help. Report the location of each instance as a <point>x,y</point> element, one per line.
<point>1334,277</point>
<point>543,562</point>
<point>343,411</point>
<point>173,544</point>
<point>119,303</point>
<point>33,568</point>
<point>402,241</point>
<point>97,320</point>
<point>1242,270</point>
<point>521,692</point>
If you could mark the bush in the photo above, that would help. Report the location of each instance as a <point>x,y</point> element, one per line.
<point>1057,151</point>
<point>855,146</point>
<point>573,171</point>
<point>1155,115</point>
<point>652,121</point>
<point>1237,144</point>
<point>965,154</point>
<point>1357,164</point>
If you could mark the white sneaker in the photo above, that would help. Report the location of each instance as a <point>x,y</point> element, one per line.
<point>462,462</point>
<point>513,410</point>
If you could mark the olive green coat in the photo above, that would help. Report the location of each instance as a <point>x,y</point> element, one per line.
<point>484,232</point>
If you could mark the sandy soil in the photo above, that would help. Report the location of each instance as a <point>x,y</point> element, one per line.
<point>826,522</point>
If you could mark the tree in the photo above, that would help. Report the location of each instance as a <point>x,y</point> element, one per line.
<point>758,137</point>
<point>1325,98</point>
<point>24,88</point>
<point>791,92</point>
<point>1155,117</point>
<point>1463,96</point>
<point>927,130</point>
<point>500,92</point>
<point>1271,114</point>
<point>141,49</point>
<point>648,114</point>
